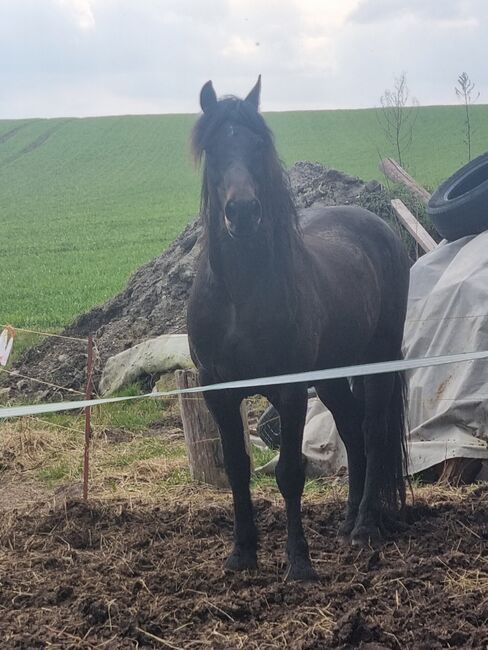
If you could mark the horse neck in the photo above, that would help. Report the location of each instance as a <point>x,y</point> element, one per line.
<point>256,274</point>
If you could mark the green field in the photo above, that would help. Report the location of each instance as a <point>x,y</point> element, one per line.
<point>84,202</point>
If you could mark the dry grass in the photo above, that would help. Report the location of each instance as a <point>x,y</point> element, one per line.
<point>436,494</point>
<point>129,460</point>
<point>469,581</point>
<point>123,463</point>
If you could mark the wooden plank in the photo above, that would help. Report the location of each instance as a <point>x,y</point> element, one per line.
<point>413,226</point>
<point>392,170</point>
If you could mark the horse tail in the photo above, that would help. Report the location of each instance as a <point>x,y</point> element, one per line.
<point>395,463</point>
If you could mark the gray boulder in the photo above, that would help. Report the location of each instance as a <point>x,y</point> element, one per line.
<point>152,357</point>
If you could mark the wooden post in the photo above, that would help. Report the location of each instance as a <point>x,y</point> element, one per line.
<point>397,174</point>
<point>202,437</point>
<point>413,226</point>
<point>88,395</point>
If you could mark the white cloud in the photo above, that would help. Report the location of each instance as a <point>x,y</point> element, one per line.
<point>82,12</point>
<point>376,11</point>
<point>237,47</point>
<point>458,23</point>
<point>62,57</point>
<point>325,15</point>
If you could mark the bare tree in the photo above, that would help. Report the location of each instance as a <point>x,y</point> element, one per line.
<point>465,91</point>
<point>396,118</point>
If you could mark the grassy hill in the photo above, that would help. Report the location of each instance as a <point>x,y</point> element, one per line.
<point>84,202</point>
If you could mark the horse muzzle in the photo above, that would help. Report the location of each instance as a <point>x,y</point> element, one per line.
<point>242,217</point>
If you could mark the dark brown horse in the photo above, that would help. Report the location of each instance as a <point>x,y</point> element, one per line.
<point>276,295</point>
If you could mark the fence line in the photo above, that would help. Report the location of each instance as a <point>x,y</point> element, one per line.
<point>14,373</point>
<point>294,378</point>
<point>304,377</point>
<point>58,336</point>
<point>55,424</point>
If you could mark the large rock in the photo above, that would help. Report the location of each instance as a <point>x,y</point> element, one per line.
<point>153,357</point>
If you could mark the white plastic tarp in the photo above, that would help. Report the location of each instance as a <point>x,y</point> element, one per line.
<point>448,411</point>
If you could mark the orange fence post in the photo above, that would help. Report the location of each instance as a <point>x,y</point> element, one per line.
<point>88,431</point>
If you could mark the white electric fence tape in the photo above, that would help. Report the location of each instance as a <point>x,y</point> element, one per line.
<point>295,378</point>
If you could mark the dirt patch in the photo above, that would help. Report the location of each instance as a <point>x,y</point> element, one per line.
<point>138,575</point>
<point>313,184</point>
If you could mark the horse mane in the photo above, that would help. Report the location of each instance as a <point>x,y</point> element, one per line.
<point>275,192</point>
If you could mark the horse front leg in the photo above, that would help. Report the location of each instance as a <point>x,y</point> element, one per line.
<point>225,409</point>
<point>291,403</point>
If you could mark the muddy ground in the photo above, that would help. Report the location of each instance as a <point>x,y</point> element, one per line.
<point>135,575</point>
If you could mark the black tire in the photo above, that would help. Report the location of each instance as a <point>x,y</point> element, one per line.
<point>269,428</point>
<point>269,425</point>
<point>459,206</point>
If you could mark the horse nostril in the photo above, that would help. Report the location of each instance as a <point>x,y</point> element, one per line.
<point>242,216</point>
<point>231,210</point>
<point>256,208</point>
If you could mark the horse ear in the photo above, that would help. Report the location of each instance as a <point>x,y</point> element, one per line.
<point>254,95</point>
<point>208,98</point>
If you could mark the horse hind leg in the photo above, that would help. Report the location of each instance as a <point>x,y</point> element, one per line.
<point>347,409</point>
<point>383,430</point>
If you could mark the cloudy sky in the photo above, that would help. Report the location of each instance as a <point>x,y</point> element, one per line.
<point>104,57</point>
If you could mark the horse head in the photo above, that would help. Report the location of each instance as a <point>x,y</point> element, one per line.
<point>235,140</point>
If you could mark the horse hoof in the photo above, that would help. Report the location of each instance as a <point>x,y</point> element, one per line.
<point>241,561</point>
<point>301,572</point>
<point>345,530</point>
<point>364,536</point>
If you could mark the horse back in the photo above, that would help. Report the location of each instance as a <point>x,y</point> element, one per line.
<point>361,269</point>
<point>352,240</point>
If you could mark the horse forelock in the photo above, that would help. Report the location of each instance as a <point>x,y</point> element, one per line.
<point>227,110</point>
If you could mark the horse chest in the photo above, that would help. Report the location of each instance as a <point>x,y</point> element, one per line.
<point>249,343</point>
<point>255,346</point>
